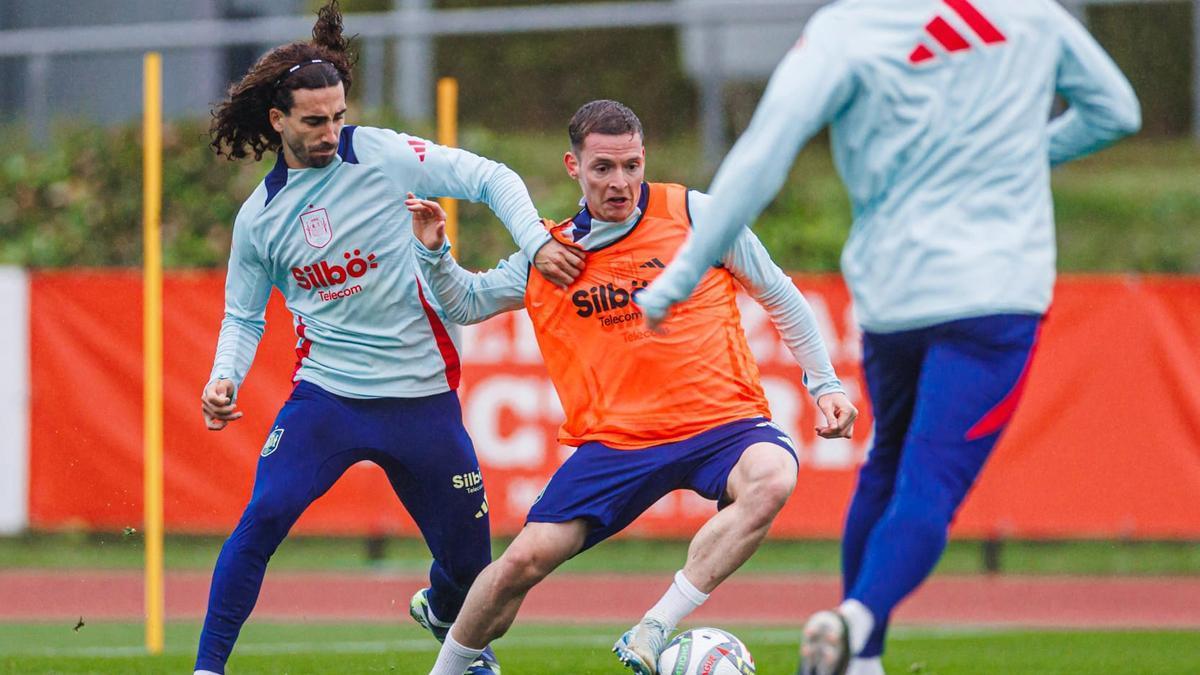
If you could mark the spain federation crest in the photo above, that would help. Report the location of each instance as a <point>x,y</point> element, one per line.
<point>317,229</point>
<point>272,441</point>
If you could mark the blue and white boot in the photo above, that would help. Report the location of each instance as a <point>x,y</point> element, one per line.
<point>422,613</point>
<point>639,648</point>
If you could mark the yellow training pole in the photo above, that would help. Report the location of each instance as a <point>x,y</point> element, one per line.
<point>447,130</point>
<point>153,347</point>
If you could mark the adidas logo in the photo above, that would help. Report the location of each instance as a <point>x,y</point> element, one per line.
<point>949,38</point>
<point>482,510</point>
<point>418,147</point>
<point>653,263</point>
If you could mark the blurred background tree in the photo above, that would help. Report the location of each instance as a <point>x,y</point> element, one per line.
<point>74,198</point>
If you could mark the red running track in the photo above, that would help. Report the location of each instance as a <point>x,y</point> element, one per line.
<point>1068,602</point>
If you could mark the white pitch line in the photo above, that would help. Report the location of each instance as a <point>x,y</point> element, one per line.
<point>358,647</point>
<point>772,637</point>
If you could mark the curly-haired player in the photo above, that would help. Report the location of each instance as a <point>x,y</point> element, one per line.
<point>377,369</point>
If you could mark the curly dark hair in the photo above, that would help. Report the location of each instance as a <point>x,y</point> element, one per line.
<point>241,125</point>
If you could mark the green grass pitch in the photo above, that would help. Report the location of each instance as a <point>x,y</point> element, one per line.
<point>296,648</point>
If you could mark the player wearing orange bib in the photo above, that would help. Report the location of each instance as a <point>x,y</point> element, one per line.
<point>627,387</point>
<point>650,412</point>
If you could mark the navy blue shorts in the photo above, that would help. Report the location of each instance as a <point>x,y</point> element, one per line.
<point>609,488</point>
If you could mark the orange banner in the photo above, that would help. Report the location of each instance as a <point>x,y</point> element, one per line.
<point>1106,442</point>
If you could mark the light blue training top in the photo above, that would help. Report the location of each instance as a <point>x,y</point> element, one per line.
<point>336,243</point>
<point>940,127</point>
<point>473,297</point>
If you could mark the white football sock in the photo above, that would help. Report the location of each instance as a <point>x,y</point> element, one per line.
<point>861,622</point>
<point>454,659</point>
<point>871,666</point>
<point>681,599</point>
<point>204,672</point>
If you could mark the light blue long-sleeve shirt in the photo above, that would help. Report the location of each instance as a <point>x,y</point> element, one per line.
<point>473,297</point>
<point>335,242</point>
<point>941,131</point>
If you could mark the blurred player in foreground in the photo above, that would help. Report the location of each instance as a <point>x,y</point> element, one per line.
<point>377,369</point>
<point>940,115</point>
<point>649,412</point>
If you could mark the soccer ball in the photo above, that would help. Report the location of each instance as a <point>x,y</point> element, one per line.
<point>705,651</point>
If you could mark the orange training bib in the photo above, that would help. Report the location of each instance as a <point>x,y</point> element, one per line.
<point>622,384</point>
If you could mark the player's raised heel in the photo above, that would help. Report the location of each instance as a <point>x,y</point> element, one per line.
<point>638,649</point>
<point>420,611</point>
<point>825,645</point>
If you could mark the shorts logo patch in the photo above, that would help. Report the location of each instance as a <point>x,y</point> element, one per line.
<point>272,441</point>
<point>482,510</point>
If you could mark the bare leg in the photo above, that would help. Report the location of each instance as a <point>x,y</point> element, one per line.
<point>498,591</point>
<point>759,486</point>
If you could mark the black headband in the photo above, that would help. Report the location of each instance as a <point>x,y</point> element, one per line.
<point>294,68</point>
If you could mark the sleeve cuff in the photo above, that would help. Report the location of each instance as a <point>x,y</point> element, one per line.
<point>825,388</point>
<point>428,255</point>
<point>224,375</point>
<point>536,242</point>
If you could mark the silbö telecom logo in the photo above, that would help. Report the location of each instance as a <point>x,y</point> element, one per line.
<point>322,275</point>
<point>610,304</point>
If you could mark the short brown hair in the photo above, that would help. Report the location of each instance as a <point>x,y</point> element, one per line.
<point>602,117</point>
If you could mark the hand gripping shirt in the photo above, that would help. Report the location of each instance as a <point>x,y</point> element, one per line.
<point>940,128</point>
<point>336,243</point>
<point>618,382</point>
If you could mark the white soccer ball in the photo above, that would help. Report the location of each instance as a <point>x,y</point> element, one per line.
<point>705,651</point>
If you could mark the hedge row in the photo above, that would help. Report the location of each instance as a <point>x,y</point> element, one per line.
<point>76,200</point>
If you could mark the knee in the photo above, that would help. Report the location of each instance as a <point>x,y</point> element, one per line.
<point>522,567</point>
<point>264,523</point>
<point>463,566</point>
<point>878,475</point>
<point>774,490</point>
<point>923,513</point>
<point>767,493</point>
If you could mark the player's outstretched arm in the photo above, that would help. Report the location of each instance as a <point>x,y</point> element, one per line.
<point>468,176</point>
<point>809,87</point>
<point>751,265</point>
<point>433,170</point>
<point>764,281</point>
<point>1103,105</point>
<point>247,289</point>
<point>466,298</point>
